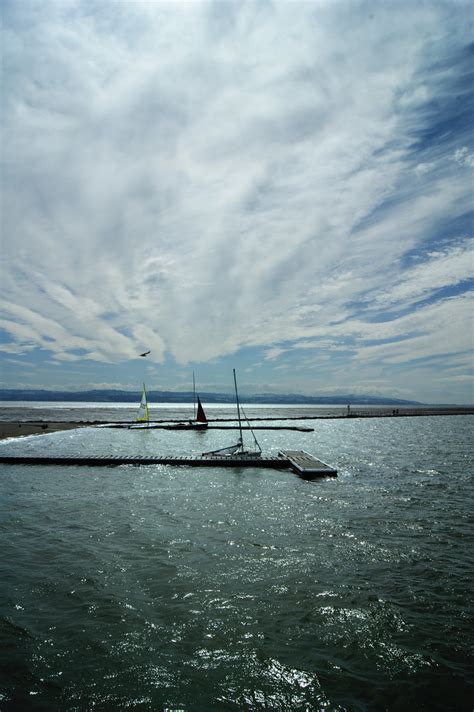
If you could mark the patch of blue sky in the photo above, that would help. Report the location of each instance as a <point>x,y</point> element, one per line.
<point>5,336</point>
<point>377,215</point>
<point>447,117</point>
<point>386,316</point>
<point>446,292</point>
<point>450,232</point>
<point>383,317</point>
<point>408,189</point>
<point>32,357</point>
<point>437,131</point>
<point>111,316</point>
<point>435,360</point>
<point>78,351</point>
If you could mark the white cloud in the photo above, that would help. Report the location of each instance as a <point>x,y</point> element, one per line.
<point>422,168</point>
<point>446,268</point>
<point>274,352</point>
<point>464,157</point>
<point>435,330</point>
<point>197,178</point>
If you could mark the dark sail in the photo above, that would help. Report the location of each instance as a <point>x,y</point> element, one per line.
<point>200,415</point>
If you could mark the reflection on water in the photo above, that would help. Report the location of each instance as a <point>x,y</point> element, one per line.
<point>148,587</point>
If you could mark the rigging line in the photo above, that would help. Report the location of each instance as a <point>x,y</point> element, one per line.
<point>238,406</point>
<point>250,427</point>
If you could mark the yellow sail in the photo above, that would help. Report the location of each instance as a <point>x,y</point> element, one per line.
<point>143,416</point>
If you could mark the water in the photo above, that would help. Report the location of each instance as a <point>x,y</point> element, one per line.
<point>218,589</point>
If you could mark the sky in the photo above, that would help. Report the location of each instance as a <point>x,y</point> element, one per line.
<point>280,187</point>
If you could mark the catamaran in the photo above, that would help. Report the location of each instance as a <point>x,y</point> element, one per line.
<point>238,450</point>
<point>143,415</point>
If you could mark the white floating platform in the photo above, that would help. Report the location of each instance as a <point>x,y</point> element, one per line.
<point>307,465</point>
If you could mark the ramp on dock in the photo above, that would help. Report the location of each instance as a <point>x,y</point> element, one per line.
<point>299,461</point>
<point>307,465</point>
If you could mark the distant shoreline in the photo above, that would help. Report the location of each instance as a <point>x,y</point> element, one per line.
<point>22,428</point>
<point>177,397</point>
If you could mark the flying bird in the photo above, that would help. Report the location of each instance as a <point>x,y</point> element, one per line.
<point>145,354</point>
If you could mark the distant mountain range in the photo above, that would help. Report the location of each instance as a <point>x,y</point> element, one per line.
<point>117,396</point>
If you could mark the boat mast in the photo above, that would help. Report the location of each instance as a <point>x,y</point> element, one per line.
<point>194,397</point>
<point>145,399</point>
<point>238,408</point>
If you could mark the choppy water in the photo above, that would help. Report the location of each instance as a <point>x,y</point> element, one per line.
<point>217,589</point>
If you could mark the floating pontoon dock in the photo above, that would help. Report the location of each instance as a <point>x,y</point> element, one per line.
<point>305,464</point>
<point>186,426</point>
<point>299,461</point>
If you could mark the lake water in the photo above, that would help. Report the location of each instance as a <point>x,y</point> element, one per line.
<point>159,587</point>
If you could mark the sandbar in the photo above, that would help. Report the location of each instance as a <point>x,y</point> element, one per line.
<point>17,429</point>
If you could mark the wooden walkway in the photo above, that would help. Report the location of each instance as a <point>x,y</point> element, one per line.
<point>299,461</point>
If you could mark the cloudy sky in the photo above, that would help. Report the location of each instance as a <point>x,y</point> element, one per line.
<point>282,187</point>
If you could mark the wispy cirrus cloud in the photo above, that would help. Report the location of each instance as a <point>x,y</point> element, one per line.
<point>443,268</point>
<point>205,178</point>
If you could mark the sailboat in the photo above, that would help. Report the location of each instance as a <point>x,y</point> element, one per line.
<point>238,450</point>
<point>143,419</point>
<point>199,422</point>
